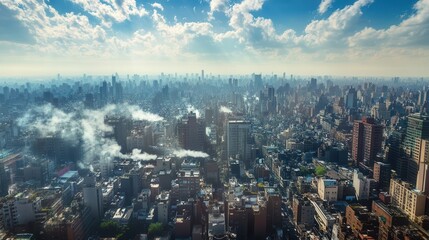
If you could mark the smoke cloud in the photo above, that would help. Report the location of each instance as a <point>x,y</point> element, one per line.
<point>191,108</point>
<point>86,127</point>
<point>181,153</point>
<point>224,109</point>
<point>138,155</point>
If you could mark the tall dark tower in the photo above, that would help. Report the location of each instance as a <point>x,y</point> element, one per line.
<point>367,140</point>
<point>191,133</point>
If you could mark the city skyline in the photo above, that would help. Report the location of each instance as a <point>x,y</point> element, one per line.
<point>328,37</point>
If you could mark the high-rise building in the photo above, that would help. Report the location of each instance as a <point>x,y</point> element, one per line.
<point>93,197</point>
<point>191,133</point>
<point>363,185</point>
<point>258,80</point>
<point>274,218</point>
<point>412,202</point>
<point>4,181</point>
<point>417,130</point>
<point>237,137</point>
<point>423,173</point>
<point>382,175</point>
<point>351,98</point>
<point>367,140</point>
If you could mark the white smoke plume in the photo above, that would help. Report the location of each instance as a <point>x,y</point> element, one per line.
<point>224,109</point>
<point>181,153</point>
<point>87,127</point>
<point>191,108</point>
<point>138,155</point>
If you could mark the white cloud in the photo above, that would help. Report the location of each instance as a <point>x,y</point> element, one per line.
<point>335,28</point>
<point>115,10</point>
<point>324,6</point>
<point>216,5</point>
<point>412,31</point>
<point>158,5</point>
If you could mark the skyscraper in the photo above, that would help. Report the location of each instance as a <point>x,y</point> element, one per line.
<point>237,135</point>
<point>367,140</point>
<point>191,133</point>
<point>351,98</point>
<point>93,197</point>
<point>417,130</point>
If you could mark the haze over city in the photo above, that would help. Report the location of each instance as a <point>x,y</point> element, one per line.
<point>214,120</point>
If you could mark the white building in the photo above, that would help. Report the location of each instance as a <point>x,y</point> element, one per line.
<point>93,198</point>
<point>362,185</point>
<point>163,200</point>
<point>327,189</point>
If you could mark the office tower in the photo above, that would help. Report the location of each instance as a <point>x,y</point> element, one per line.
<point>93,197</point>
<point>417,130</point>
<point>258,80</point>
<point>237,137</point>
<point>351,98</point>
<point>191,133</point>
<point>202,74</point>
<point>313,84</point>
<point>423,173</point>
<point>274,202</point>
<point>382,175</point>
<point>367,140</point>
<point>267,100</point>
<point>393,152</point>
<point>4,181</point>
<point>103,93</point>
<point>114,87</point>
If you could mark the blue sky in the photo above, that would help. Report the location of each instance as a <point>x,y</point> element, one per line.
<point>307,37</point>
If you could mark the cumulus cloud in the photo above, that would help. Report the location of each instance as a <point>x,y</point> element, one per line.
<point>324,6</point>
<point>157,5</point>
<point>182,153</point>
<point>117,11</point>
<point>412,31</point>
<point>335,28</point>
<point>85,126</point>
<point>216,5</point>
